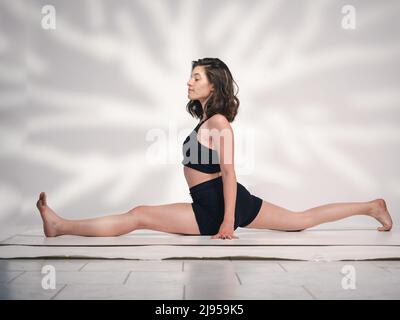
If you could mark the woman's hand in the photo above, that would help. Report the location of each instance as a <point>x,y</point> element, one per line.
<point>225,231</point>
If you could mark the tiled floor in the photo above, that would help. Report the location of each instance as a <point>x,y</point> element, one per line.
<point>198,279</point>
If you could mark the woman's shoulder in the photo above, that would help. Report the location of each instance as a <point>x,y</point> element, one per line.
<point>219,121</point>
<point>218,118</point>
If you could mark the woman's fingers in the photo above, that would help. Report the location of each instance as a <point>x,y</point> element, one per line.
<point>224,237</point>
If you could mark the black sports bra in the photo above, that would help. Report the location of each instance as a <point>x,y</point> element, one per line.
<point>206,160</point>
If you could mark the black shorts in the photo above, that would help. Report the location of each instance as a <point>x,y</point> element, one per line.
<point>208,206</point>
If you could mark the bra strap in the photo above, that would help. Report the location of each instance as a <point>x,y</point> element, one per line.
<point>201,122</point>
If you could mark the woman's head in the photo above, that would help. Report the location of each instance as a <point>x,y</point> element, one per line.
<point>211,90</point>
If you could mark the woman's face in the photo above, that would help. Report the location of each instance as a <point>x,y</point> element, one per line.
<point>199,88</point>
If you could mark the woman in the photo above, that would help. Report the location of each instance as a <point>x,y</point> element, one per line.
<point>220,204</point>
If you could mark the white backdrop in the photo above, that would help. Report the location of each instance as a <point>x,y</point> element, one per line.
<point>91,90</point>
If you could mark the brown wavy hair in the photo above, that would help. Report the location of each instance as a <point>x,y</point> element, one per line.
<point>223,100</point>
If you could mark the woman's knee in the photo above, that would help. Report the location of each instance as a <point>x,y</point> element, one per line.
<point>307,220</point>
<point>138,212</point>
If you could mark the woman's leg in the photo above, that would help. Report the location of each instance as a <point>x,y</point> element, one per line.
<point>278,218</point>
<point>174,218</point>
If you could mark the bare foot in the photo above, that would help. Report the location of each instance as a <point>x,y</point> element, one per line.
<point>380,213</point>
<point>51,221</point>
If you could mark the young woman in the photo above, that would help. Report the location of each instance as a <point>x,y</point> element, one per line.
<point>220,204</point>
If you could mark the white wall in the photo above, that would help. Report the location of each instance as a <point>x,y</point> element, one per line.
<point>318,121</point>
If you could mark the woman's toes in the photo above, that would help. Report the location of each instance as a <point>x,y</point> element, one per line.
<point>384,228</point>
<point>43,198</point>
<point>39,205</point>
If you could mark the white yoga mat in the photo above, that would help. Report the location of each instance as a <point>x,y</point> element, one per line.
<point>309,253</point>
<point>247,237</point>
<point>314,245</point>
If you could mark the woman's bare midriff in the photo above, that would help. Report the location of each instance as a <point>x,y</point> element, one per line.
<point>194,177</point>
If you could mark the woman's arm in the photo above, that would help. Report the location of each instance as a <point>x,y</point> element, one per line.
<point>223,142</point>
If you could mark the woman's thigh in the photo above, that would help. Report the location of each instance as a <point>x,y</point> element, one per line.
<point>274,217</point>
<point>172,218</point>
